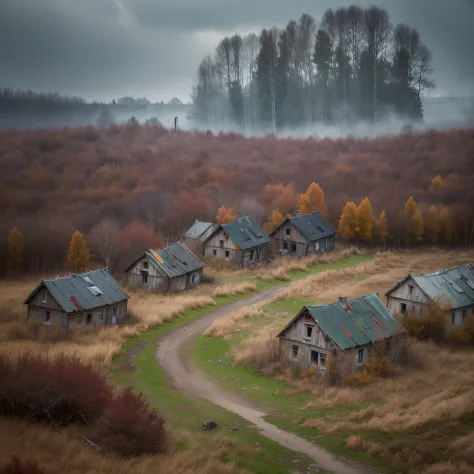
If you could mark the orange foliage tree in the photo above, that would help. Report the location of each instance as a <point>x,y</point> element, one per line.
<point>313,200</point>
<point>78,256</point>
<point>365,220</point>
<point>381,227</point>
<point>274,220</point>
<point>14,257</point>
<point>436,183</point>
<point>432,225</point>
<point>348,227</point>
<point>281,197</point>
<point>413,222</point>
<point>226,214</point>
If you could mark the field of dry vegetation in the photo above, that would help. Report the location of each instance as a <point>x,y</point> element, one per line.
<point>420,416</point>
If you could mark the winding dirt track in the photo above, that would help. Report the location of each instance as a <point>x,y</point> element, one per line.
<point>171,354</point>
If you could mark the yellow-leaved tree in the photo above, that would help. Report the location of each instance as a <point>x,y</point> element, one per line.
<point>78,256</point>
<point>348,228</point>
<point>274,220</point>
<point>432,225</point>
<point>226,214</point>
<point>365,220</point>
<point>14,257</point>
<point>436,183</point>
<point>381,227</point>
<point>313,200</point>
<point>413,222</point>
<point>445,226</point>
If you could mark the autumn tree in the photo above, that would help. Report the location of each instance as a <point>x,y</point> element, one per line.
<point>381,227</point>
<point>225,215</point>
<point>436,183</point>
<point>348,228</point>
<point>365,220</point>
<point>104,240</point>
<point>14,257</point>
<point>413,222</point>
<point>432,225</point>
<point>274,220</point>
<point>445,226</point>
<point>281,197</point>
<point>313,200</point>
<point>78,256</point>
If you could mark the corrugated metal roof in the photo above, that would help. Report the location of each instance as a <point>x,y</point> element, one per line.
<point>175,260</point>
<point>365,320</point>
<point>84,291</point>
<point>311,225</point>
<point>200,230</point>
<point>245,233</point>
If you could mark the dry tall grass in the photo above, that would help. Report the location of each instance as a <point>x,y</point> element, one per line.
<point>234,289</point>
<point>225,327</point>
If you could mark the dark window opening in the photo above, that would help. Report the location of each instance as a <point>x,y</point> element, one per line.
<point>214,252</point>
<point>48,316</point>
<point>144,277</point>
<point>314,357</point>
<point>252,254</point>
<point>411,288</point>
<point>293,247</point>
<point>309,332</point>
<point>222,244</point>
<point>322,359</point>
<point>114,311</point>
<point>463,315</point>
<point>89,318</point>
<point>227,254</point>
<point>453,318</point>
<point>193,278</point>
<point>294,352</point>
<point>145,264</point>
<point>285,245</point>
<point>403,308</point>
<point>288,231</point>
<point>360,356</point>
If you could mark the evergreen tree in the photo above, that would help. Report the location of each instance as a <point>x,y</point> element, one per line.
<point>432,226</point>
<point>14,257</point>
<point>78,256</point>
<point>365,220</point>
<point>313,200</point>
<point>348,227</point>
<point>413,222</point>
<point>381,227</point>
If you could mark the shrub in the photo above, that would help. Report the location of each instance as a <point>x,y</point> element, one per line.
<point>465,334</point>
<point>332,374</point>
<point>59,391</point>
<point>429,326</point>
<point>16,466</point>
<point>130,428</point>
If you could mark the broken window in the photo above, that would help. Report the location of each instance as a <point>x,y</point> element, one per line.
<point>252,254</point>
<point>411,288</point>
<point>294,352</point>
<point>309,332</point>
<point>227,254</point>
<point>314,357</point>
<point>322,359</point>
<point>403,308</point>
<point>360,356</point>
<point>214,252</point>
<point>89,318</point>
<point>285,245</point>
<point>48,317</point>
<point>144,277</point>
<point>293,247</point>
<point>288,231</point>
<point>145,265</point>
<point>222,244</point>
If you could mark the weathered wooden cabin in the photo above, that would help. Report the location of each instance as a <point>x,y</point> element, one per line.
<point>197,234</point>
<point>451,289</point>
<point>172,269</point>
<point>348,327</point>
<point>87,298</point>
<point>303,234</point>
<point>241,242</point>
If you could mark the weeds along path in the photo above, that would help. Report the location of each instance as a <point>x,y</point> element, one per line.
<point>188,379</point>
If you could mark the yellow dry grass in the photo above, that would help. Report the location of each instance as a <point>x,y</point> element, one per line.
<point>57,453</point>
<point>234,289</point>
<point>225,327</point>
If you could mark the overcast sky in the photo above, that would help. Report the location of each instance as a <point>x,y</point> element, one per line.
<point>105,49</point>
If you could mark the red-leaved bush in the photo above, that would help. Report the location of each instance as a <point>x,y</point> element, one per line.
<point>16,466</point>
<point>130,428</point>
<point>61,390</point>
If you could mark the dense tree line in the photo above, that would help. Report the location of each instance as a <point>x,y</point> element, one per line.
<point>138,187</point>
<point>353,65</point>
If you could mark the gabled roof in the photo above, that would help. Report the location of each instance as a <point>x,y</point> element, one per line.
<point>453,287</point>
<point>311,225</point>
<point>365,320</point>
<point>200,230</point>
<point>173,261</point>
<point>244,232</point>
<point>84,291</point>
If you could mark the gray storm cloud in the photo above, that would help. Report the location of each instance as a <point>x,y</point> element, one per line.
<point>103,49</point>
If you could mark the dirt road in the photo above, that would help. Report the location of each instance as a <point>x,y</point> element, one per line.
<point>188,379</point>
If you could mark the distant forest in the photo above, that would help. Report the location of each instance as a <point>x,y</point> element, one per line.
<point>355,66</point>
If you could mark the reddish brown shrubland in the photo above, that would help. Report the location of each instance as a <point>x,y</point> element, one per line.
<point>54,182</point>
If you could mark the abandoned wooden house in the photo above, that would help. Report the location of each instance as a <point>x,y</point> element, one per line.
<point>241,242</point>
<point>197,234</point>
<point>172,269</point>
<point>452,289</point>
<point>303,234</point>
<point>349,328</point>
<point>87,298</point>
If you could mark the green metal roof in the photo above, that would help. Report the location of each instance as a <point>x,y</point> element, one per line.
<point>244,232</point>
<point>365,319</point>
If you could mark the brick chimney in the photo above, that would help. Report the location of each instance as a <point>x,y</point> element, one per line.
<point>343,301</point>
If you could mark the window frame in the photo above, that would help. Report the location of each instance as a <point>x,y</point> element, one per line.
<point>410,289</point>
<point>360,356</point>
<point>214,251</point>
<point>48,317</point>
<point>89,318</point>
<point>322,359</point>
<point>288,231</point>
<point>453,318</point>
<point>221,243</point>
<point>294,351</point>
<point>308,328</point>
<point>227,254</point>
<point>403,308</point>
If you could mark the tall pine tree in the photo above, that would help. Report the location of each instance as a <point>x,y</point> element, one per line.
<point>365,220</point>
<point>413,222</point>
<point>78,256</point>
<point>313,200</point>
<point>348,227</point>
